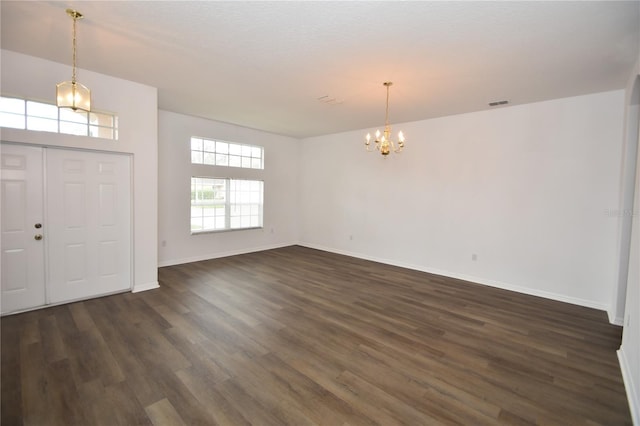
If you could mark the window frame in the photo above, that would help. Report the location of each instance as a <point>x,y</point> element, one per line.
<point>64,118</point>
<point>222,156</point>
<point>229,205</point>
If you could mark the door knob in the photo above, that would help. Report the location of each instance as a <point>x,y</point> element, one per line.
<point>38,237</point>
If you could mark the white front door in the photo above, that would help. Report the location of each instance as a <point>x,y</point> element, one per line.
<point>22,242</point>
<point>89,208</point>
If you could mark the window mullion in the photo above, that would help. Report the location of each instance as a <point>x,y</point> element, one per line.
<point>227,210</point>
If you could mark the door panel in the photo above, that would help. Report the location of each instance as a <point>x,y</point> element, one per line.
<point>88,196</point>
<point>22,261</point>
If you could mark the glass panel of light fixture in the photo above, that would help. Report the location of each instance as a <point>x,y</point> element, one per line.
<point>14,105</point>
<point>37,109</point>
<point>42,124</point>
<point>67,114</point>
<point>73,128</point>
<point>14,121</point>
<point>98,119</point>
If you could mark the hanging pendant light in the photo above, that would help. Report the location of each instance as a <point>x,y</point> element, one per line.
<point>383,141</point>
<point>71,94</point>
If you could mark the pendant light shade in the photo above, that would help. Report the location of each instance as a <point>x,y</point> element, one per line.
<point>74,95</point>
<point>71,94</point>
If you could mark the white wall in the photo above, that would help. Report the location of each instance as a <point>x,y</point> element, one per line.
<point>136,106</point>
<point>528,189</point>
<point>177,245</point>
<point>629,353</point>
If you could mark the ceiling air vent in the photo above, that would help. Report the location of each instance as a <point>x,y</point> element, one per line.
<point>326,99</point>
<point>496,103</point>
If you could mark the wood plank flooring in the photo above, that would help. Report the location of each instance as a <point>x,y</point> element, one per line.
<point>296,336</point>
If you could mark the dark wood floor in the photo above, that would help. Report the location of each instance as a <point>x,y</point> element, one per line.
<point>297,336</point>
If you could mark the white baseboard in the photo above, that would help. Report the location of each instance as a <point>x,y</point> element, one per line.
<point>630,387</point>
<point>615,320</point>
<point>144,287</point>
<point>217,255</point>
<point>470,278</point>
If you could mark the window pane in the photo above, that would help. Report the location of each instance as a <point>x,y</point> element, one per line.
<point>234,161</point>
<point>246,162</point>
<point>256,152</point>
<point>235,149</point>
<point>256,163</point>
<point>222,159</point>
<point>214,207</point>
<point>11,120</point>
<point>222,147</point>
<point>246,151</point>
<point>101,132</point>
<point>209,158</point>
<point>42,124</point>
<point>208,223</point>
<point>98,119</point>
<point>56,120</point>
<point>38,109</point>
<point>196,144</point>
<point>73,128</point>
<point>196,157</point>
<point>67,114</point>
<point>196,224</point>
<point>209,146</point>
<point>12,105</point>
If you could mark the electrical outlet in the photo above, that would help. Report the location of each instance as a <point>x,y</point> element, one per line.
<point>164,243</point>
<point>474,257</point>
<point>350,237</point>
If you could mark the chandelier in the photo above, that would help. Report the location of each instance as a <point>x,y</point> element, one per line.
<point>383,141</point>
<point>71,94</point>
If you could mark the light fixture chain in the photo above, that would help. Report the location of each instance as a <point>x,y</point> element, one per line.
<point>386,112</point>
<point>73,75</point>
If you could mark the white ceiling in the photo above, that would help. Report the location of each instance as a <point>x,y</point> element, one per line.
<point>265,64</point>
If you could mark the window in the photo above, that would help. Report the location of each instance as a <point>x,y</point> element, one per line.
<point>220,153</point>
<point>30,115</point>
<point>219,204</point>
